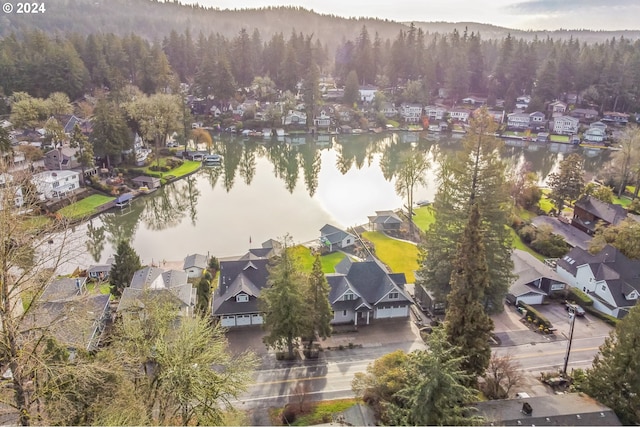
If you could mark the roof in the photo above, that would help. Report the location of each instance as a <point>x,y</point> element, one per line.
<point>242,275</point>
<point>565,409</point>
<point>183,295</point>
<point>527,269</point>
<point>53,176</point>
<point>333,234</point>
<point>145,178</point>
<point>62,289</point>
<point>608,212</point>
<point>195,260</point>
<point>258,253</point>
<point>157,278</point>
<point>385,217</point>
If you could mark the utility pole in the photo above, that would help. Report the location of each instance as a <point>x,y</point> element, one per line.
<point>572,316</point>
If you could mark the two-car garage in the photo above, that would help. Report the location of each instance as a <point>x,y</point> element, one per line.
<point>391,311</point>
<point>230,321</point>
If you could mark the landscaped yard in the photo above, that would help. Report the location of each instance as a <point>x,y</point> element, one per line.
<point>103,289</point>
<point>187,167</point>
<point>545,203</point>
<point>559,138</point>
<point>85,207</point>
<point>320,412</point>
<point>423,217</point>
<point>519,244</point>
<point>306,260</point>
<point>401,257</point>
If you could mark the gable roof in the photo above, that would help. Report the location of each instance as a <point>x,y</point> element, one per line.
<point>242,275</point>
<point>195,260</point>
<point>333,234</point>
<point>63,288</point>
<point>575,409</point>
<point>385,217</point>
<point>157,278</point>
<point>613,214</point>
<point>528,268</point>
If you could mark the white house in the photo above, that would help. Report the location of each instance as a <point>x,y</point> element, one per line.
<point>54,184</point>
<point>411,113</point>
<point>18,198</point>
<point>557,108</point>
<point>522,102</point>
<point>594,134</point>
<point>518,120</point>
<point>194,265</point>
<point>565,125</point>
<point>434,112</point>
<point>367,93</point>
<point>294,117</point>
<point>459,114</point>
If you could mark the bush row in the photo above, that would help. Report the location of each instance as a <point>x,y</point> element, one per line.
<point>536,315</point>
<point>580,297</point>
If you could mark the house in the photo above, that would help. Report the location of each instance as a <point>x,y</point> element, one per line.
<point>519,121</point>
<point>533,280</point>
<point>388,109</point>
<point>324,116</point>
<point>70,122</point>
<point>294,117</point>
<point>56,184</point>
<point>155,281</point>
<point>428,301</point>
<point>617,118</point>
<point>459,114</point>
<point>75,318</point>
<point>385,221</point>
<point>598,125</point>
<point>573,409</point>
<point>609,278</point>
<point>367,93</point>
<point>334,238</point>
<point>333,94</point>
<point>557,108</point>
<point>588,211</point>
<point>410,113</point>
<point>240,281</point>
<point>150,182</point>
<point>565,125</point>
<point>434,112</point>
<point>363,291</point>
<point>522,102</point>
<point>497,115</point>
<point>585,115</point>
<point>62,158</point>
<point>594,135</point>
<point>537,121</point>
<point>100,271</point>
<point>476,101</point>
<point>18,199</point>
<point>194,265</point>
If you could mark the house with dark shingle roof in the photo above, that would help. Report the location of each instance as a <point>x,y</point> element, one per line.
<point>334,238</point>
<point>240,281</point>
<point>156,281</point>
<point>194,265</point>
<point>611,279</point>
<point>363,291</point>
<point>573,409</point>
<point>588,211</point>
<point>385,221</point>
<point>100,271</point>
<point>533,280</point>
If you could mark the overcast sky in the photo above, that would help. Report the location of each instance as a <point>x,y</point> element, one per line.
<point>519,14</point>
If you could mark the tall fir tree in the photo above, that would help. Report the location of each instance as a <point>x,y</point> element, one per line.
<point>467,324</point>
<point>568,183</point>
<point>126,263</point>
<point>475,174</point>
<point>319,309</point>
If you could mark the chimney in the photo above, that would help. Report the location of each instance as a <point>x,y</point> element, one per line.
<point>526,408</point>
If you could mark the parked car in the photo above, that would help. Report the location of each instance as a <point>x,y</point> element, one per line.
<point>574,309</point>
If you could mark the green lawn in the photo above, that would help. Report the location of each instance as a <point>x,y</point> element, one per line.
<point>322,412</point>
<point>623,201</point>
<point>545,203</point>
<point>519,244</point>
<point>524,214</point>
<point>306,260</point>
<point>401,257</point>
<point>559,138</point>
<point>103,289</point>
<point>185,168</point>
<point>423,217</point>
<point>85,207</point>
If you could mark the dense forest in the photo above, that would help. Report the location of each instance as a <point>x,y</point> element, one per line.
<point>606,74</point>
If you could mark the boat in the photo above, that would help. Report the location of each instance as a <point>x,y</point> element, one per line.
<point>212,160</point>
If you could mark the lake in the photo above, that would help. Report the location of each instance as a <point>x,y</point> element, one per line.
<point>263,191</point>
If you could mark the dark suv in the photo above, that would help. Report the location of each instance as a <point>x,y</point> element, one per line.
<point>574,309</point>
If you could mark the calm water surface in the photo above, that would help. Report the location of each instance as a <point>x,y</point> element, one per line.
<point>266,191</point>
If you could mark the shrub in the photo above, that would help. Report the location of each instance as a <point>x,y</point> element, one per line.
<point>527,233</point>
<point>534,315</point>
<point>580,297</point>
<point>610,320</point>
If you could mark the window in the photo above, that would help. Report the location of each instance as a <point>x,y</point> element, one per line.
<point>604,287</point>
<point>56,184</point>
<point>344,312</point>
<point>348,241</point>
<point>349,297</point>
<point>394,295</point>
<point>242,298</point>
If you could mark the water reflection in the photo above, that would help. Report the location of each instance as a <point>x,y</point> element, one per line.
<point>339,179</point>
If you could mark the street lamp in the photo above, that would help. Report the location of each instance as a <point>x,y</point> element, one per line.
<point>572,316</point>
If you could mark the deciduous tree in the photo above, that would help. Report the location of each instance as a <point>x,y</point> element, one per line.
<point>625,236</point>
<point>411,173</point>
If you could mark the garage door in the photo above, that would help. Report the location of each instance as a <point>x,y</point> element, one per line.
<point>399,311</point>
<point>228,321</point>
<point>243,319</point>
<point>531,299</point>
<point>383,312</point>
<point>256,319</point>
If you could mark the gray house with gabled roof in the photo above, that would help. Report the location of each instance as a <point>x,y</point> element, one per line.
<point>385,221</point>
<point>611,279</point>
<point>334,238</point>
<point>235,300</point>
<point>154,280</point>
<point>588,211</point>
<point>363,291</point>
<point>194,265</point>
<point>533,280</point>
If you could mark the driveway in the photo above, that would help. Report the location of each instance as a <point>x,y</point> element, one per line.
<point>587,326</point>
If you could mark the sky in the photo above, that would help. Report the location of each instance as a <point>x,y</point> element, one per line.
<point>517,14</point>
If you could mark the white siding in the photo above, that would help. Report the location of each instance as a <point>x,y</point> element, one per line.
<point>256,319</point>
<point>533,299</point>
<point>228,321</point>
<point>339,316</point>
<point>389,312</point>
<point>243,319</point>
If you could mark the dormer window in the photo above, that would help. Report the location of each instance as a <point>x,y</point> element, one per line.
<point>394,295</point>
<point>242,298</point>
<point>349,297</point>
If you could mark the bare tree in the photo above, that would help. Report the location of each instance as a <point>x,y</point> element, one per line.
<point>501,376</point>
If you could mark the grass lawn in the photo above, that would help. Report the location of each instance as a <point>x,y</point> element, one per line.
<point>103,289</point>
<point>185,168</point>
<point>328,261</point>
<point>524,214</point>
<point>559,138</point>
<point>85,207</point>
<point>423,217</point>
<point>545,203</point>
<point>623,201</point>
<point>321,412</point>
<point>401,257</point>
<point>519,244</point>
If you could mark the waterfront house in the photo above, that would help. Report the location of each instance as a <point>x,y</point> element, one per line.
<point>56,184</point>
<point>334,238</point>
<point>460,114</point>
<point>385,221</point>
<point>100,271</point>
<point>411,113</point>
<point>434,112</point>
<point>609,278</point>
<point>537,121</point>
<point>585,115</point>
<point>617,118</point>
<point>150,182</point>
<point>294,117</point>
<point>518,121</point>
<point>363,291</point>
<point>61,158</point>
<point>154,281</point>
<point>594,135</point>
<point>497,115</point>
<point>194,265</point>
<point>533,280</point>
<point>565,125</point>
<point>557,108</point>
<point>367,93</point>
<point>589,211</point>
<point>324,116</point>
<point>522,102</point>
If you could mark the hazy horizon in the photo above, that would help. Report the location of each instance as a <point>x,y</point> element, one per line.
<point>516,14</point>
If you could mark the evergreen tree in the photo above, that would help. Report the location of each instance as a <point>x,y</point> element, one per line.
<point>283,302</point>
<point>568,182</point>
<point>476,174</point>
<point>352,89</point>
<point>468,326</point>
<point>319,308</point>
<point>126,263</point>
<point>5,142</point>
<point>110,132</point>
<point>203,294</point>
<point>614,379</point>
<point>85,149</point>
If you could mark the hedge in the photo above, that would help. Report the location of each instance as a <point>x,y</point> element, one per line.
<point>580,297</point>
<point>613,321</point>
<point>535,315</point>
